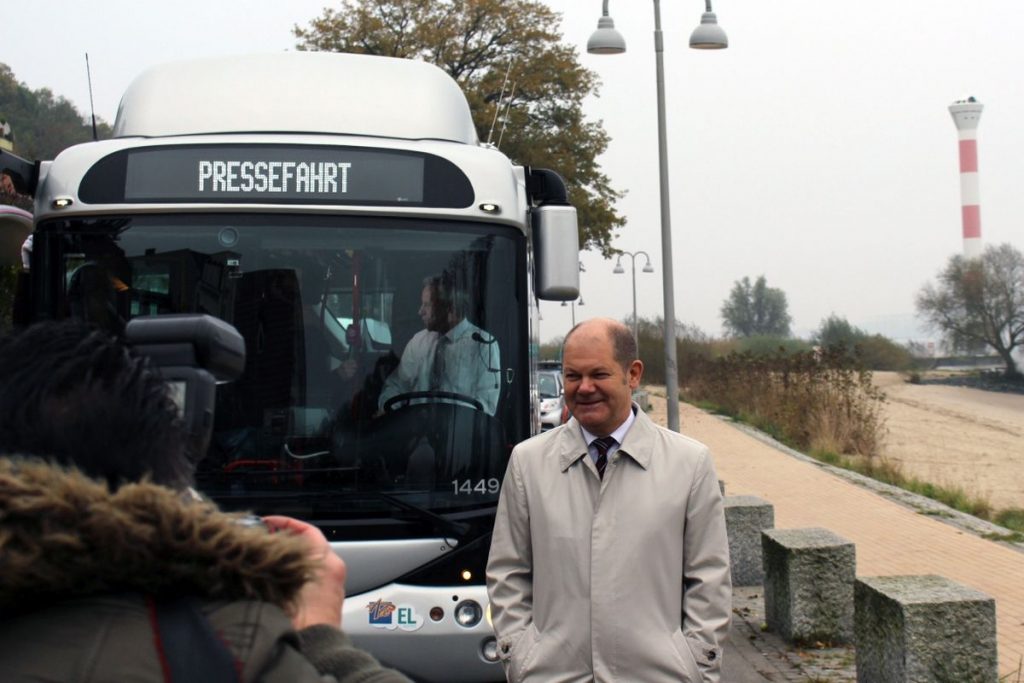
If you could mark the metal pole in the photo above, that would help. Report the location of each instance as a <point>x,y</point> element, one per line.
<point>671,371</point>
<point>636,336</point>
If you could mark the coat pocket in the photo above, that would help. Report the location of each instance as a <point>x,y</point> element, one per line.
<point>519,656</point>
<point>696,654</point>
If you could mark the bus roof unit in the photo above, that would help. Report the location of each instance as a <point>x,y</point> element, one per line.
<point>297,92</point>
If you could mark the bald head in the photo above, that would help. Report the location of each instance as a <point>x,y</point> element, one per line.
<point>600,372</point>
<point>606,329</point>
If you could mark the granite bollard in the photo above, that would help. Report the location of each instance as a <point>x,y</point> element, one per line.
<point>912,629</point>
<point>808,584</point>
<point>745,518</point>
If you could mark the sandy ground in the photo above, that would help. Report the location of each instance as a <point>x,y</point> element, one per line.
<point>957,436</point>
<point>949,435</point>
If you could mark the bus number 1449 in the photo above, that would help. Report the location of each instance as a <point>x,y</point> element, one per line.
<point>469,487</point>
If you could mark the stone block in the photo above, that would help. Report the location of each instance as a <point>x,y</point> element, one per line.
<point>808,584</point>
<point>913,629</point>
<point>745,518</point>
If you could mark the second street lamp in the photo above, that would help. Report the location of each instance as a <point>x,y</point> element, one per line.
<point>708,36</point>
<point>582,270</point>
<point>573,304</point>
<point>618,270</point>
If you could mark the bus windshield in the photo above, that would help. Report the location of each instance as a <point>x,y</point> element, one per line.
<point>384,359</point>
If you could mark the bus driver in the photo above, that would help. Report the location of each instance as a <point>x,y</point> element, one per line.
<point>451,354</point>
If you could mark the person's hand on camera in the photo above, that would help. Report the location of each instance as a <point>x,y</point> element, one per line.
<point>321,599</point>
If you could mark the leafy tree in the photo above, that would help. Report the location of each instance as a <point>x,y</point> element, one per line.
<point>42,125</point>
<point>756,310</point>
<point>551,349</point>
<point>477,42</point>
<point>878,352</point>
<point>771,345</point>
<point>873,351</point>
<point>979,301</point>
<point>691,343</point>
<point>835,330</point>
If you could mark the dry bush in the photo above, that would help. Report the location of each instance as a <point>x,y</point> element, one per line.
<point>814,400</point>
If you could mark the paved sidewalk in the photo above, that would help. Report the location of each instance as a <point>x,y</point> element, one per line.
<point>753,655</point>
<point>891,538</point>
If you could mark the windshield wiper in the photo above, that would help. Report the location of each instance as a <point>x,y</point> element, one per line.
<point>441,523</point>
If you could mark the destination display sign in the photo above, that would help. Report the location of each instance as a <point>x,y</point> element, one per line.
<point>289,174</point>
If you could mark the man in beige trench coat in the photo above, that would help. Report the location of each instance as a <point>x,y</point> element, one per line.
<point>609,560</point>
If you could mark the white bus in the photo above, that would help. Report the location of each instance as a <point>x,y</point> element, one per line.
<point>306,198</point>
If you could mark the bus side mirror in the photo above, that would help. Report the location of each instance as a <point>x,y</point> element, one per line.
<point>15,227</point>
<point>22,173</point>
<point>556,242</point>
<point>556,253</point>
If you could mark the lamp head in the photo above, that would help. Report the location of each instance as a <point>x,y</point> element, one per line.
<point>709,35</point>
<point>648,268</point>
<point>606,40</point>
<point>618,269</point>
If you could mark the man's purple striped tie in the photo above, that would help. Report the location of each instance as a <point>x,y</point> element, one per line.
<point>602,444</point>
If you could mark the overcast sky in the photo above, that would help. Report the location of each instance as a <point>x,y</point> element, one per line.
<point>817,150</point>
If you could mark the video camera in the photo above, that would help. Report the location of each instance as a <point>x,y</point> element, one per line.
<point>193,353</point>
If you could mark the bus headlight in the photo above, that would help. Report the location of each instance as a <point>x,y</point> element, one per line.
<point>489,650</point>
<point>468,613</point>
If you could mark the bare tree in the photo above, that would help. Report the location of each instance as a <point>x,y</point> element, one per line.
<point>979,302</point>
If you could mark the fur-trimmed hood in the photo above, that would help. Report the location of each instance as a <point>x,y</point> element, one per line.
<point>64,535</point>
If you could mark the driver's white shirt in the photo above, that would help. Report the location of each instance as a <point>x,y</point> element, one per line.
<point>471,368</point>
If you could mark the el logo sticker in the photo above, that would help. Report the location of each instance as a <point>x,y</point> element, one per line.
<point>388,615</point>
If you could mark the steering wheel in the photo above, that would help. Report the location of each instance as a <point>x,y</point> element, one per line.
<point>390,404</point>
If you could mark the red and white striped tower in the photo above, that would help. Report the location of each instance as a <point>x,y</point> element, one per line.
<point>966,114</point>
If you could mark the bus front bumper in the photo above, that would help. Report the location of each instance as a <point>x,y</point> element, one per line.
<point>432,634</point>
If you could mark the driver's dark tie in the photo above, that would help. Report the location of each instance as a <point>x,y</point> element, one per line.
<point>437,369</point>
<point>602,444</point>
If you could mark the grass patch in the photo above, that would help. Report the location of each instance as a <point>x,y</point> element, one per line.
<point>768,427</point>
<point>935,513</point>
<point>831,458</point>
<point>1011,518</point>
<point>955,497</point>
<point>1012,537</point>
<point>710,407</point>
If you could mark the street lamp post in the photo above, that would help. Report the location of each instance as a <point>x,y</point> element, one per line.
<point>707,36</point>
<point>573,303</point>
<point>618,270</point>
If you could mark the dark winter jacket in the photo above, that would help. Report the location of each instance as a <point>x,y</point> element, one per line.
<point>81,569</point>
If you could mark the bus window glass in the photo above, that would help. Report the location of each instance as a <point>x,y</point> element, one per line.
<point>319,426</point>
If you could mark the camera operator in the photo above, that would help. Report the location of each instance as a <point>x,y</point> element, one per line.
<point>110,570</point>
